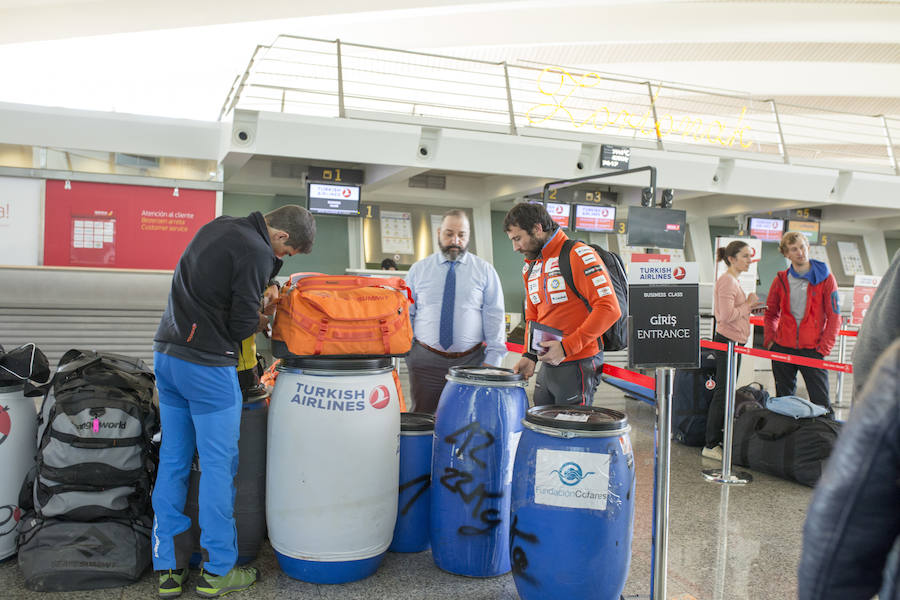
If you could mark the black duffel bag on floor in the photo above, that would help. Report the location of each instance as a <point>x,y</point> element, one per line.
<point>794,449</point>
<point>57,555</point>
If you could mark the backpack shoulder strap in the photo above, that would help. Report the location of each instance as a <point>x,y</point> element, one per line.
<point>565,267</point>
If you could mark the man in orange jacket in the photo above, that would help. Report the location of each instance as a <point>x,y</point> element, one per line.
<point>571,365</point>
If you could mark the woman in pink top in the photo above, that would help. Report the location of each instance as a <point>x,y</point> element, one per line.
<point>732,311</point>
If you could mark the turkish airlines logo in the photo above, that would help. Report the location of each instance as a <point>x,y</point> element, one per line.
<point>346,193</point>
<point>678,273</point>
<point>9,517</point>
<point>379,397</point>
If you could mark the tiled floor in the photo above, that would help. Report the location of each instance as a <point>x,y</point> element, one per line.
<point>736,543</point>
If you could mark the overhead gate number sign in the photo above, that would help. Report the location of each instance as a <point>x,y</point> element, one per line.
<point>664,315</point>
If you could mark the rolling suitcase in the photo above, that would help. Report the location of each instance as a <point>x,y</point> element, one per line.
<point>693,392</point>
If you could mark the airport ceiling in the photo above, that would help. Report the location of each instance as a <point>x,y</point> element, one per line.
<point>177,58</point>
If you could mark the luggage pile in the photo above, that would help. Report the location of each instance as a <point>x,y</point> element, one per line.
<point>87,507</point>
<point>344,316</point>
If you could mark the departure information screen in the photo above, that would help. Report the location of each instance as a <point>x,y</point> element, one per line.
<point>330,199</point>
<point>601,219</point>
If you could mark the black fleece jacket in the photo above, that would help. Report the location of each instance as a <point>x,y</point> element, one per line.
<point>216,291</point>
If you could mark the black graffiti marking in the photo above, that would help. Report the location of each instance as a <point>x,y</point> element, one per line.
<point>471,430</point>
<point>425,480</point>
<point>518,556</point>
<point>485,518</point>
<point>462,478</point>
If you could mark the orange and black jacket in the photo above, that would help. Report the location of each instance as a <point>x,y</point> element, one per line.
<point>549,302</point>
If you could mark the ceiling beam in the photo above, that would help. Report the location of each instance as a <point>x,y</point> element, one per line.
<point>380,176</point>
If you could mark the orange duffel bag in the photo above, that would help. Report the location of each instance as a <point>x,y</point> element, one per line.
<point>342,315</point>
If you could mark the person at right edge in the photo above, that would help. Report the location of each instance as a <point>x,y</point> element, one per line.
<point>803,317</point>
<point>880,326</point>
<point>214,304</point>
<point>851,537</point>
<point>732,311</point>
<point>571,367</point>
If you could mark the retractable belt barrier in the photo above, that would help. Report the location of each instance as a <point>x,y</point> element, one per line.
<point>650,383</point>
<point>644,381</point>
<point>761,322</point>
<point>782,357</point>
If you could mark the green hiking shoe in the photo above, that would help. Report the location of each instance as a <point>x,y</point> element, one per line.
<point>171,582</point>
<point>237,579</point>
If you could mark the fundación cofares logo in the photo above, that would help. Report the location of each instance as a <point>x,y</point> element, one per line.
<point>570,473</point>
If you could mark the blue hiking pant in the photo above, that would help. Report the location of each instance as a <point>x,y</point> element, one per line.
<point>200,408</point>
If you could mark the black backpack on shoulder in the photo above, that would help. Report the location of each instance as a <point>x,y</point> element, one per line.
<point>616,337</point>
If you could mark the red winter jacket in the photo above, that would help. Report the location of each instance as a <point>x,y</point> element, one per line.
<point>821,321</point>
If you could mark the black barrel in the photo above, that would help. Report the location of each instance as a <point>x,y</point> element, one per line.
<point>250,485</point>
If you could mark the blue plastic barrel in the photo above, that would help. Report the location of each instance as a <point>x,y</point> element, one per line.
<point>414,506</point>
<point>572,507</point>
<point>477,426</point>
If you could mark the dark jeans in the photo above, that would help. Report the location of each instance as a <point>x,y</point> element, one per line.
<point>715,418</point>
<point>571,382</point>
<point>786,376</point>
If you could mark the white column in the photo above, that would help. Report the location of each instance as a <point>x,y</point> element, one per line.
<point>481,231</point>
<point>876,249</point>
<point>702,247</point>
<point>355,243</point>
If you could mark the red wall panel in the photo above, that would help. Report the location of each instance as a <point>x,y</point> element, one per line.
<point>121,226</point>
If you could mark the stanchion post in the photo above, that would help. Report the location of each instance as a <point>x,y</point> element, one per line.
<point>722,551</point>
<point>728,429</point>
<point>665,384</point>
<point>842,355</point>
<point>725,475</point>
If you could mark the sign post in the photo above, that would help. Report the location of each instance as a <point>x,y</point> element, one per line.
<point>664,333</point>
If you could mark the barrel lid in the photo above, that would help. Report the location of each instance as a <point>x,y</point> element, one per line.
<point>338,364</point>
<point>485,374</point>
<point>413,421</point>
<point>580,418</point>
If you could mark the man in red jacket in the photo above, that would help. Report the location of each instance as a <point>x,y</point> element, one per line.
<point>571,365</point>
<point>803,317</point>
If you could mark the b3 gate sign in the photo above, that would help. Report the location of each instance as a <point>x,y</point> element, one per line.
<point>664,315</point>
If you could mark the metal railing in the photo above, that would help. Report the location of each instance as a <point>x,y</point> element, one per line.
<point>336,79</point>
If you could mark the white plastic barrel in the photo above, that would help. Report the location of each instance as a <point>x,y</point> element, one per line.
<point>18,444</point>
<point>332,468</point>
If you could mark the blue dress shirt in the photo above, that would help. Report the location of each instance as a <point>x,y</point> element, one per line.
<point>477,312</point>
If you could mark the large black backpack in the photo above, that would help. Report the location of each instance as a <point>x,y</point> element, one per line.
<point>616,337</point>
<point>96,458</point>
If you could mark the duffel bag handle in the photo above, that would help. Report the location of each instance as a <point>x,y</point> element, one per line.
<point>350,281</point>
